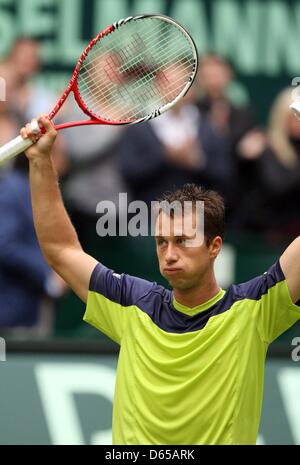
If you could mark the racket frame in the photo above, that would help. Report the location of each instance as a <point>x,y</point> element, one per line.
<point>18,145</point>
<point>73,84</point>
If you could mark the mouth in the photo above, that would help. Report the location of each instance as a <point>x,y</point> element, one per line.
<point>172,270</point>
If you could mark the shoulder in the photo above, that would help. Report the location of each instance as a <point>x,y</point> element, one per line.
<point>124,289</point>
<point>255,288</point>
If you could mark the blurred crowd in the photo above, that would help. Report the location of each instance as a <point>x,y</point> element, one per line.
<point>206,138</point>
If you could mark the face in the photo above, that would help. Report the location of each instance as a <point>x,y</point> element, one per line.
<point>184,257</point>
<point>214,77</point>
<point>26,57</point>
<point>175,78</point>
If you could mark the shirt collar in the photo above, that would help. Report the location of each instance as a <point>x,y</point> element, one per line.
<point>199,308</point>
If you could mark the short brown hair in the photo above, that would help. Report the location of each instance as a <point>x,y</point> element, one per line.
<point>214,208</point>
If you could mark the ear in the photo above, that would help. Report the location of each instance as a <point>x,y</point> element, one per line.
<point>215,246</point>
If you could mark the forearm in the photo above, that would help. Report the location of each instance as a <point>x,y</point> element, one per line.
<point>52,223</point>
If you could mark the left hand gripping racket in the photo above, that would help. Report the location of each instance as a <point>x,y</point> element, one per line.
<point>132,71</point>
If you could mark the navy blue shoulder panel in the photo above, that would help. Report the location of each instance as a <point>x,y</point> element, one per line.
<point>122,289</point>
<point>156,301</point>
<point>257,287</point>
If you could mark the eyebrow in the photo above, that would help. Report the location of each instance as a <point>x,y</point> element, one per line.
<point>184,236</point>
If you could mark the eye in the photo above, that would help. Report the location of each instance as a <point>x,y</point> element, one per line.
<point>161,242</point>
<point>181,241</point>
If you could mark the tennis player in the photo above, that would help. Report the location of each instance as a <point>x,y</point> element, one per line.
<point>191,364</point>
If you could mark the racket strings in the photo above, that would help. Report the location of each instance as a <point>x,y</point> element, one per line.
<point>149,74</point>
<point>138,97</point>
<point>141,98</point>
<point>136,73</point>
<point>161,26</point>
<point>137,56</point>
<point>96,90</point>
<point>162,58</point>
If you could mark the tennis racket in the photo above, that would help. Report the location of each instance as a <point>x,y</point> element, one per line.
<point>132,71</point>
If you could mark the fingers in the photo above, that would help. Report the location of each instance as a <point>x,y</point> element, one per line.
<point>23,133</point>
<point>46,124</point>
<point>28,132</point>
<point>31,131</point>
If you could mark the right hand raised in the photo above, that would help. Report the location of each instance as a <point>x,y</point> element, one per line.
<point>43,142</point>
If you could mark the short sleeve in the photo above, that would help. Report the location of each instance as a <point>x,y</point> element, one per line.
<point>275,311</point>
<point>112,300</point>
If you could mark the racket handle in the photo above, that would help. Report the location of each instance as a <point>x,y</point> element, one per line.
<point>14,148</point>
<point>17,145</point>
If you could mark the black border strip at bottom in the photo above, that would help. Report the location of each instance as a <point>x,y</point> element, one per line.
<point>80,346</point>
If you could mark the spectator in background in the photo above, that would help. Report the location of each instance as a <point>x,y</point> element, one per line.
<point>21,65</point>
<point>179,147</point>
<point>25,278</point>
<point>94,173</point>
<point>275,162</point>
<point>215,76</point>
<point>8,122</point>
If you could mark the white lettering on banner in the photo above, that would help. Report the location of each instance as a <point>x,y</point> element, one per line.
<point>68,388</point>
<point>108,11</point>
<point>258,37</point>
<point>34,19</point>
<point>289,384</point>
<point>281,41</point>
<point>57,383</point>
<point>70,43</point>
<point>238,32</point>
<point>7,31</point>
<point>194,18</point>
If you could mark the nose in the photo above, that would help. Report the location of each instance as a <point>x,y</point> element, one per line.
<point>171,254</point>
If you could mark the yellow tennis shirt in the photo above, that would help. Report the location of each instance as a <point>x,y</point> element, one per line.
<point>189,375</point>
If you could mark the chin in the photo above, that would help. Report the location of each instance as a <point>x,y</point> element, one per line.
<point>178,283</point>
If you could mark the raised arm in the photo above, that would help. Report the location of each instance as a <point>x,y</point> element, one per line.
<point>56,235</point>
<point>290,264</point>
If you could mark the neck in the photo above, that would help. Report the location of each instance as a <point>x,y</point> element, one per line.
<point>197,295</point>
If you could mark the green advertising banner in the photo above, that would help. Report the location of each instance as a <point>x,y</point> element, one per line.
<point>64,399</point>
<point>260,38</point>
